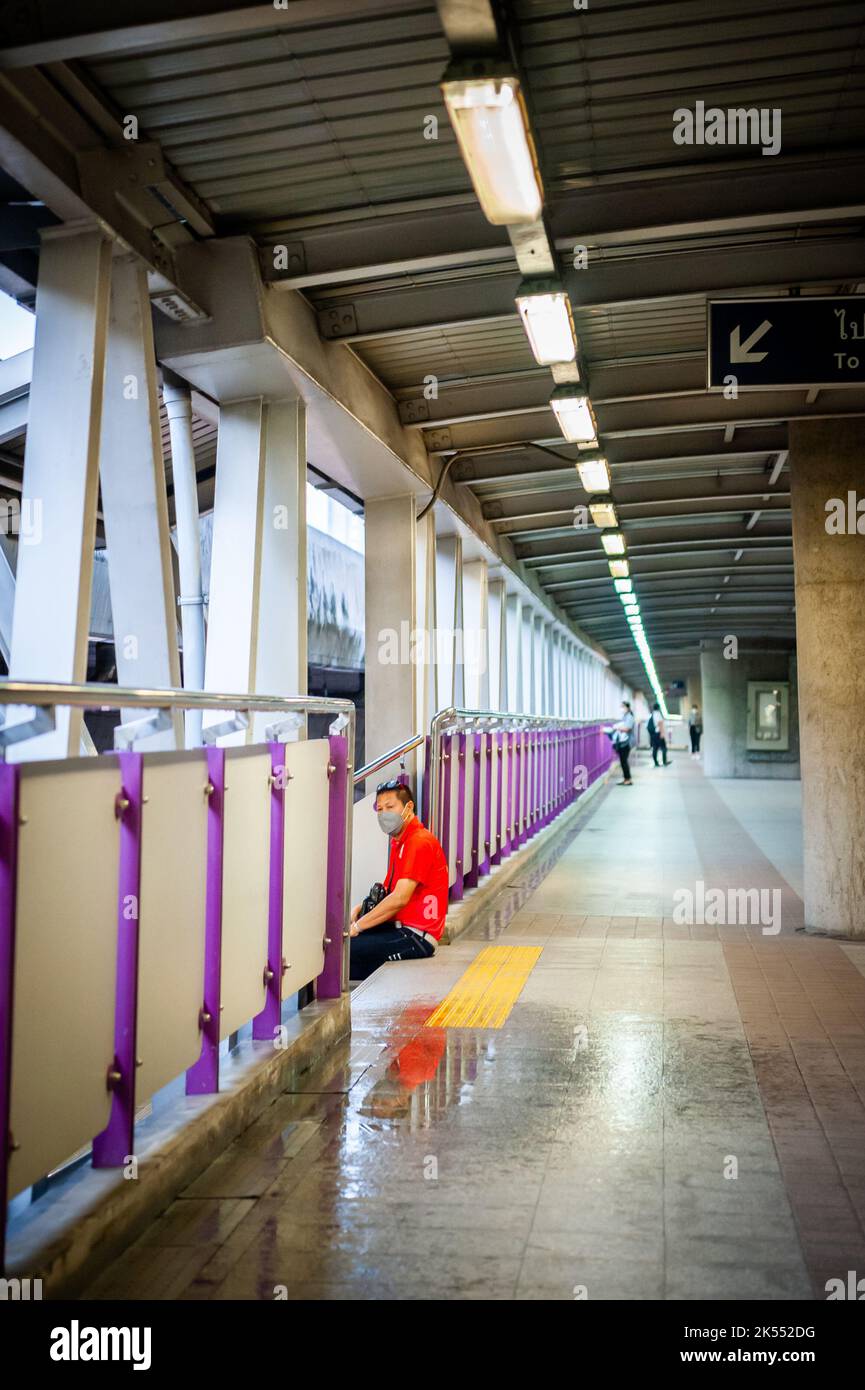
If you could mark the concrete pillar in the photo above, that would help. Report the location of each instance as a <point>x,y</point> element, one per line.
<point>391,712</point>
<point>828,491</point>
<point>61,475</point>
<point>717,675</point>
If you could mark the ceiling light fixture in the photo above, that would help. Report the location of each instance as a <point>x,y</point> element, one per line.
<point>603,513</point>
<point>594,474</point>
<point>575,415</point>
<point>488,114</point>
<point>613,542</point>
<point>619,569</point>
<point>546,314</point>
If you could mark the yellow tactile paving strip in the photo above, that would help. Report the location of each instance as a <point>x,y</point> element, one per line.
<point>486,992</point>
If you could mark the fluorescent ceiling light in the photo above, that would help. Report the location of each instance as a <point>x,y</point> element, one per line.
<point>613,542</point>
<point>631,606</point>
<point>488,114</point>
<point>546,314</point>
<point>603,513</point>
<point>619,569</point>
<point>624,586</point>
<point>594,474</point>
<point>573,410</point>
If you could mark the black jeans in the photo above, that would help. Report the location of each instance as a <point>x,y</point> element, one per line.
<point>695,739</point>
<point>624,752</point>
<point>390,941</point>
<point>659,745</point>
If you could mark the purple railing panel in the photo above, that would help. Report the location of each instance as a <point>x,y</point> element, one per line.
<point>113,1147</point>
<point>266,1024</point>
<point>459,882</point>
<point>9,792</point>
<point>203,1077</point>
<point>485,849</point>
<point>330,982</point>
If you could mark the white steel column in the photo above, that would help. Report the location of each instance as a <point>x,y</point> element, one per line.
<point>426,669</point>
<point>513,623</point>
<point>498,644</point>
<point>61,474</point>
<point>527,645</point>
<point>178,407</point>
<point>391,624</point>
<point>134,501</point>
<point>449,603</point>
<point>281,644</point>
<point>539,666</point>
<point>256,638</point>
<point>476,640</point>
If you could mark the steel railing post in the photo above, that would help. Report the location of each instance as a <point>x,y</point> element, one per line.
<point>203,1077</point>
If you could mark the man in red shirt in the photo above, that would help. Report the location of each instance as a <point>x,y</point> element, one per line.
<point>409,921</point>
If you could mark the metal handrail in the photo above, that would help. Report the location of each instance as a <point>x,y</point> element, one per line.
<point>454,715</point>
<point>105,696</point>
<point>390,757</point>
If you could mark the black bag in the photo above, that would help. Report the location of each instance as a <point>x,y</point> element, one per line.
<point>373,898</point>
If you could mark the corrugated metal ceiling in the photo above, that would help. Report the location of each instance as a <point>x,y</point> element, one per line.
<point>603,86</point>
<point>311,119</point>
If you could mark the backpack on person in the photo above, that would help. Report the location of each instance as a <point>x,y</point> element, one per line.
<point>650,727</point>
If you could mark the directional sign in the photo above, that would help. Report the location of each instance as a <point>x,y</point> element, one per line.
<point>798,341</point>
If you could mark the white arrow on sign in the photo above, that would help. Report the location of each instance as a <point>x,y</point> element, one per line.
<point>741,352</point>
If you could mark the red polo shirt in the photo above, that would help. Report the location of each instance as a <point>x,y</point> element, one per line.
<point>416,853</point>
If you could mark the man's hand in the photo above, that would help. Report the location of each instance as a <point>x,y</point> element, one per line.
<point>355,913</point>
<point>354,929</point>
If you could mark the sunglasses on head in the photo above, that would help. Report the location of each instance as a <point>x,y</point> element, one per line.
<point>388,786</point>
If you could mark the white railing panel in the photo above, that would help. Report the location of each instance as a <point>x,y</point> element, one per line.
<point>245,886</point>
<point>172,917</point>
<point>305,865</point>
<point>369,849</point>
<point>65,963</point>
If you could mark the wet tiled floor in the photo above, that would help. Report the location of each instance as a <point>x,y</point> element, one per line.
<point>668,1111</point>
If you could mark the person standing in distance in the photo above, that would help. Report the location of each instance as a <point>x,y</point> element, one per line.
<point>622,735</point>
<point>695,728</point>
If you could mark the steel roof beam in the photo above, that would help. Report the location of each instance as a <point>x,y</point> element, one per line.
<point>643,279</point>
<point>48,33</point>
<point>803,190</point>
<point>635,419</point>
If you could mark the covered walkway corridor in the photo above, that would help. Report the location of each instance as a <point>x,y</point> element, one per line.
<point>443,402</point>
<point>667,1110</point>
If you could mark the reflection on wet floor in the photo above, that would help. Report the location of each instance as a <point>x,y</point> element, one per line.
<point>658,1116</point>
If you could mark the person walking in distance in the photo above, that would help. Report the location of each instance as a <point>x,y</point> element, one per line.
<point>657,730</point>
<point>695,728</point>
<point>623,732</point>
